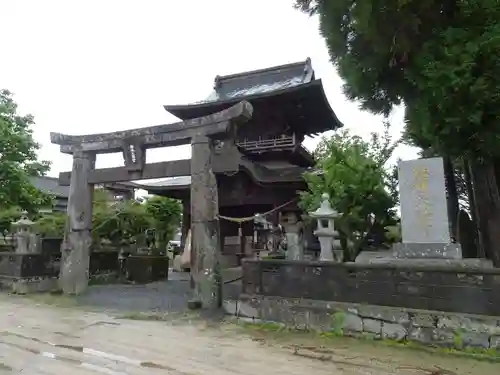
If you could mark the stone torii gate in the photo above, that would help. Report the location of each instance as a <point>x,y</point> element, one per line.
<point>206,160</point>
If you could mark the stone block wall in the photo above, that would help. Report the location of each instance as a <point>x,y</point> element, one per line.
<point>448,306</point>
<point>444,288</point>
<point>24,266</point>
<point>379,322</point>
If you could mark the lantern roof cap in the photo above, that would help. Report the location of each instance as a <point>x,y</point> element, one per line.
<point>325,210</point>
<point>23,221</point>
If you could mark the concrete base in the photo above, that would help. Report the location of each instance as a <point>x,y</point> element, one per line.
<point>427,250</point>
<point>386,257</point>
<point>452,263</point>
<point>29,285</point>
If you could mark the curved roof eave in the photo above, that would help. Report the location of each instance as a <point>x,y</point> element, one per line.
<point>177,110</point>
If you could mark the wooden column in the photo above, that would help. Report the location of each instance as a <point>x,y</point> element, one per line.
<point>74,273</point>
<point>205,246</point>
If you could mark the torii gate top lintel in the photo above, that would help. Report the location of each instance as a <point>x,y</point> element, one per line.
<point>156,136</point>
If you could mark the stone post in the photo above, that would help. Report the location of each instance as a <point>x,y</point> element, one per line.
<point>293,234</point>
<point>186,221</point>
<point>205,245</point>
<point>26,240</point>
<point>74,274</point>
<point>326,228</point>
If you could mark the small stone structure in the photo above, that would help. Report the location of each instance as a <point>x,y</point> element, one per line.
<point>293,234</point>
<point>325,231</point>
<point>26,270</point>
<point>27,241</point>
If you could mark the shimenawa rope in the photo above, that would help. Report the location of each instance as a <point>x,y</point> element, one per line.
<point>250,218</point>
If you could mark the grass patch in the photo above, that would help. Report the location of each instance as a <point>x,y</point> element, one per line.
<point>4,367</point>
<point>278,331</point>
<point>160,316</point>
<point>56,299</point>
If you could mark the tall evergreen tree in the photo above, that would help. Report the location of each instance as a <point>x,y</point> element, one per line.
<point>439,59</point>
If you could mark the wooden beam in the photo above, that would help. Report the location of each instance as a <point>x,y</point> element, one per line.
<point>219,123</point>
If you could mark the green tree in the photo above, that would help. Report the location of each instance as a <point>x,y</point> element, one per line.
<point>439,58</point>
<point>51,224</point>
<point>7,217</point>
<point>18,159</point>
<point>358,179</point>
<point>166,216</point>
<point>119,222</point>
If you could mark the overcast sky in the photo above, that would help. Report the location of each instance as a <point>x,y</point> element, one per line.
<point>103,65</point>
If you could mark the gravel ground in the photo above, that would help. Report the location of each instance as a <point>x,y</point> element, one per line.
<point>164,296</point>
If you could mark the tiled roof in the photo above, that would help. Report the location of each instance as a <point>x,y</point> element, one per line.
<point>243,85</point>
<point>50,185</point>
<point>167,183</point>
<point>287,83</point>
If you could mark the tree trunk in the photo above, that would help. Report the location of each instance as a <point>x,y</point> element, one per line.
<point>487,200</point>
<point>452,201</point>
<point>473,208</point>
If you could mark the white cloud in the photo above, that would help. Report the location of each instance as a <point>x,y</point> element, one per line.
<point>96,66</point>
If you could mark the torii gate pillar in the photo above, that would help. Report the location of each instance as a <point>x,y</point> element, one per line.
<point>205,228</point>
<point>75,250</point>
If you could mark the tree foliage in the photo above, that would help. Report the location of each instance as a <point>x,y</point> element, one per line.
<point>114,222</point>
<point>18,159</point>
<point>51,224</point>
<point>119,222</point>
<point>7,217</point>
<point>128,220</point>
<point>438,57</point>
<point>359,181</point>
<point>166,215</point>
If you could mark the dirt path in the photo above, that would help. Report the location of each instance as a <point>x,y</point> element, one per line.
<point>39,339</point>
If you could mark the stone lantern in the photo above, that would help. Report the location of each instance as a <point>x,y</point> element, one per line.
<point>26,239</point>
<point>326,228</point>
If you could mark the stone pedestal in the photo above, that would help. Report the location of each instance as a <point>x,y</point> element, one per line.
<point>326,244</point>
<point>427,251</point>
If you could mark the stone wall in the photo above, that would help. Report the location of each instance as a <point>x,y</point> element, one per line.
<point>452,306</point>
<point>360,320</point>
<point>24,265</point>
<point>449,289</point>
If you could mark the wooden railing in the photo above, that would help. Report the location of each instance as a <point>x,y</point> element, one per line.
<point>277,143</point>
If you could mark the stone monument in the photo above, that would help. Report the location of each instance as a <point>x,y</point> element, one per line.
<point>425,226</point>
